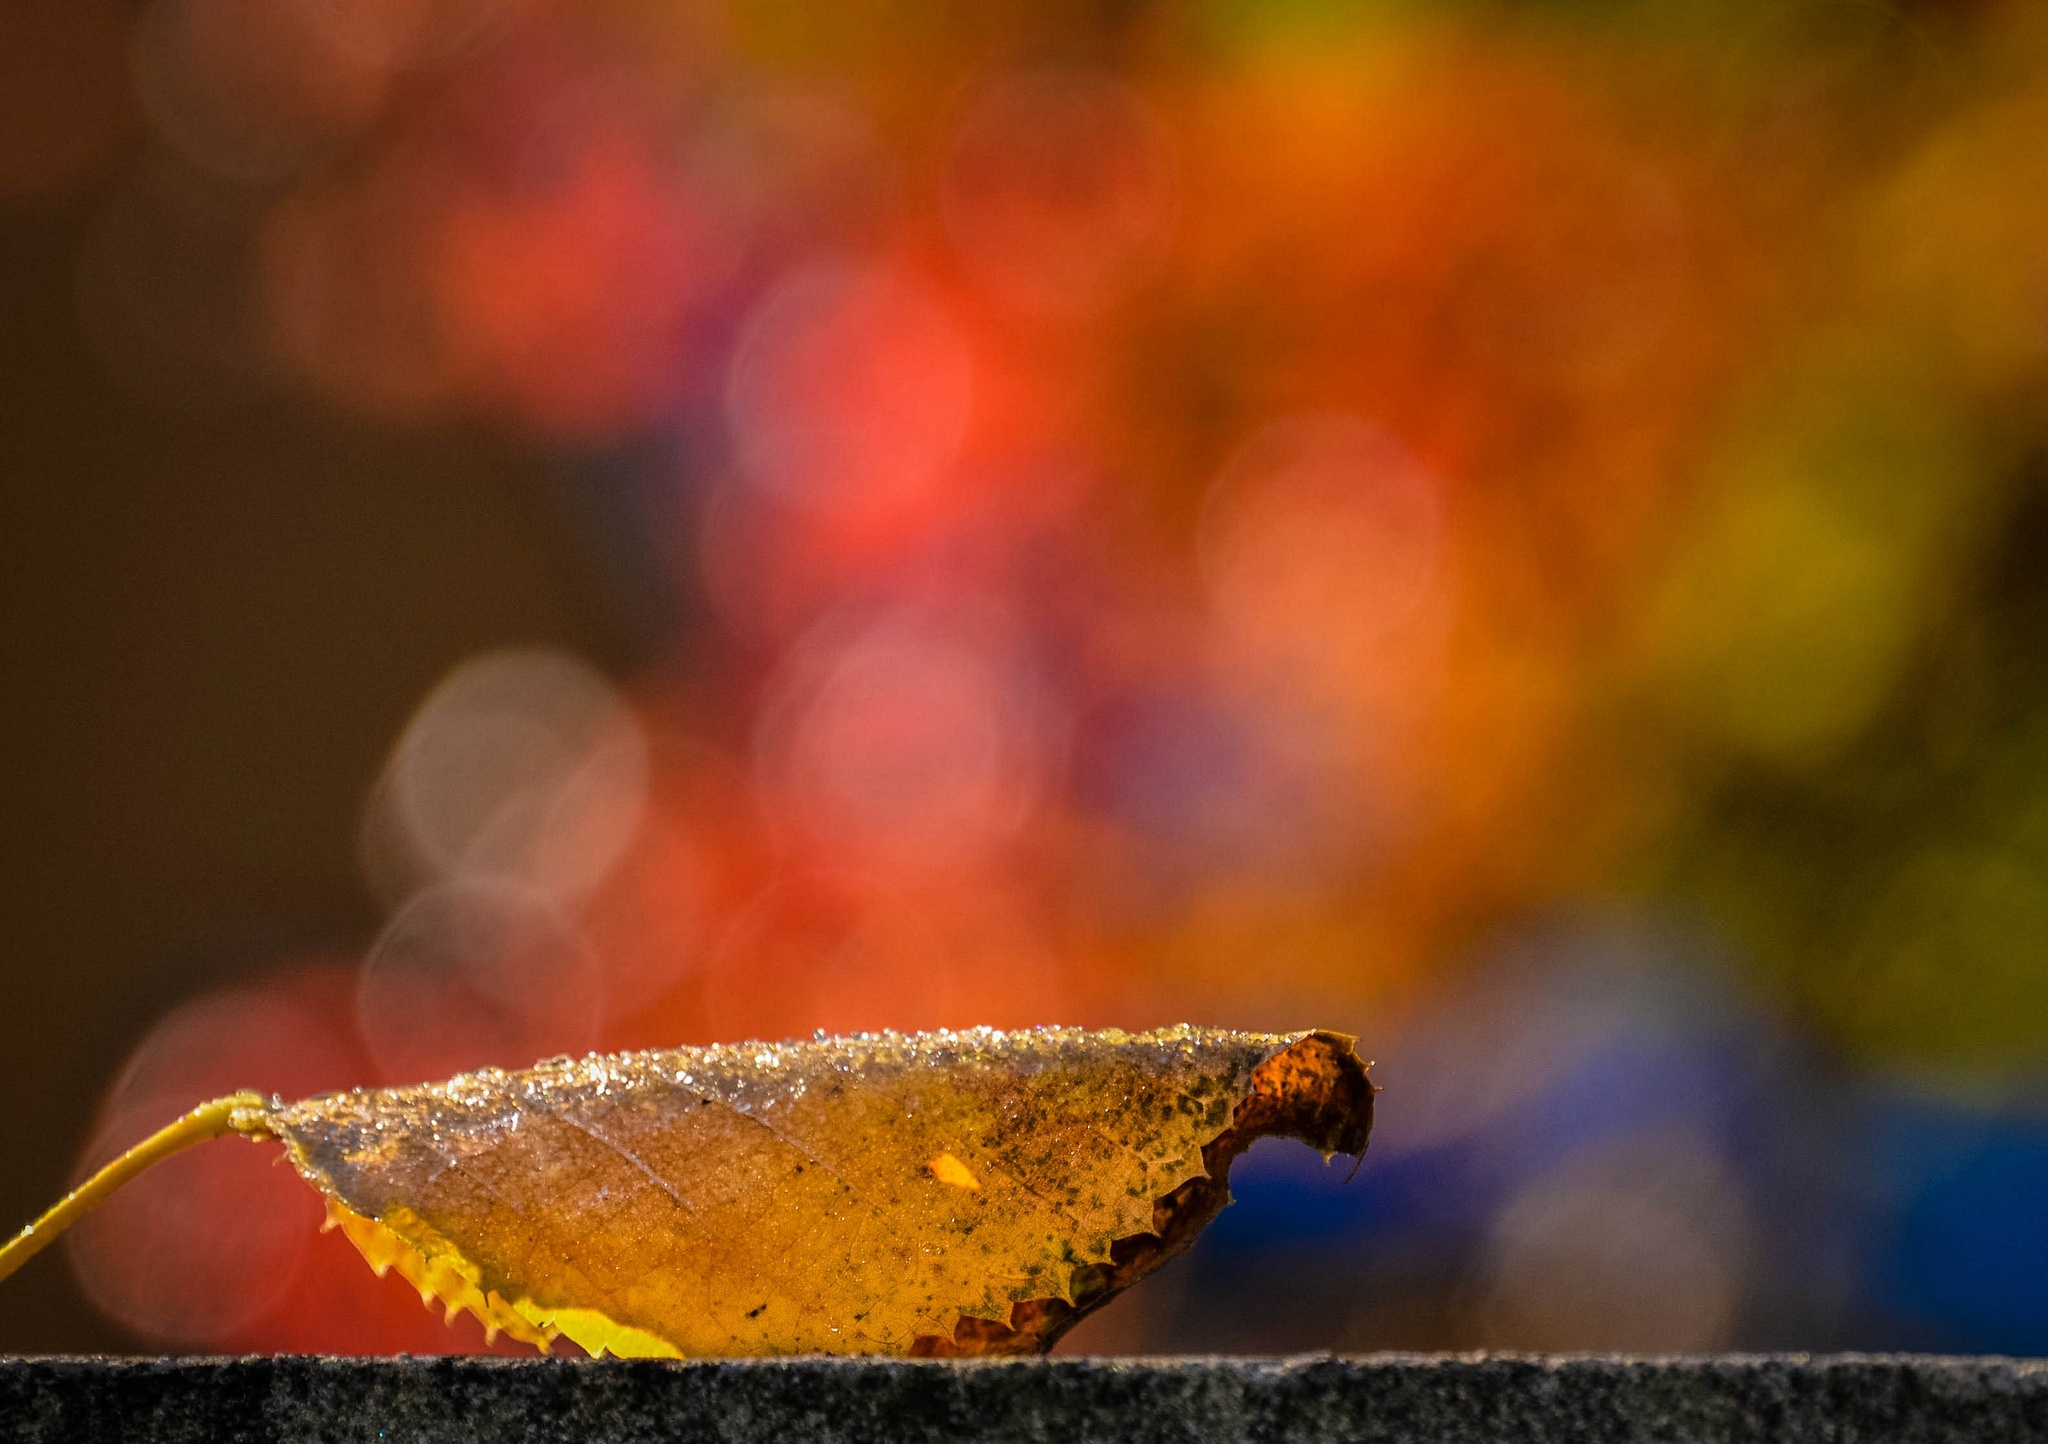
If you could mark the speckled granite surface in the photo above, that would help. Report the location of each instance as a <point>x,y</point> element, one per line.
<point>1411,1399</point>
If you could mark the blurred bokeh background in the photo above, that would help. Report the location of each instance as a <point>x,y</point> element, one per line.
<point>1519,531</point>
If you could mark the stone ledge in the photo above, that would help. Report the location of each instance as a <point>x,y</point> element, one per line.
<point>1384,1399</point>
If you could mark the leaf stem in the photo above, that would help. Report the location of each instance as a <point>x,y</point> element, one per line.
<point>236,1113</point>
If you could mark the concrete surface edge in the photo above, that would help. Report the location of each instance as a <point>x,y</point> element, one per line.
<point>1379,1399</point>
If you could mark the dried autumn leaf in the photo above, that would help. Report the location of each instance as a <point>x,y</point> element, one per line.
<point>967,1192</point>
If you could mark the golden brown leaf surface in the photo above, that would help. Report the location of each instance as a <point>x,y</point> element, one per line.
<point>957,1192</point>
